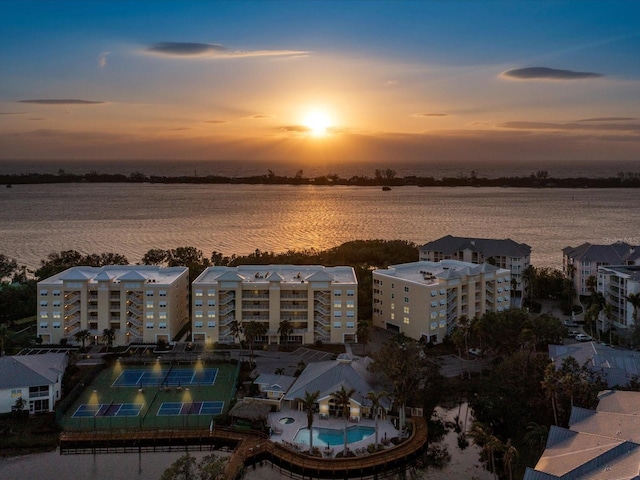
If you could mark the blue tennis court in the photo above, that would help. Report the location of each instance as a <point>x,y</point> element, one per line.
<point>166,377</point>
<point>108,410</point>
<point>190,408</point>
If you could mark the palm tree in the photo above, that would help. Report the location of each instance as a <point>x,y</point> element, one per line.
<point>510,453</point>
<point>5,337</point>
<point>363,334</point>
<point>634,300</point>
<point>285,329</point>
<point>592,284</point>
<point>108,336</point>
<point>375,406</point>
<point>308,403</point>
<point>82,336</point>
<point>252,331</point>
<point>536,436</point>
<point>235,328</point>
<point>343,399</point>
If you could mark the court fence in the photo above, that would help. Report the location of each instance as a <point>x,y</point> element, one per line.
<point>75,393</point>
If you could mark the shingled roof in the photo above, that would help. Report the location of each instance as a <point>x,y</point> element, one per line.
<point>489,247</point>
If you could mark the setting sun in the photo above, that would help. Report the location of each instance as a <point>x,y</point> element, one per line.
<point>317,123</point>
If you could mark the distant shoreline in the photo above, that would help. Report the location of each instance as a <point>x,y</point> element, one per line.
<point>384,179</point>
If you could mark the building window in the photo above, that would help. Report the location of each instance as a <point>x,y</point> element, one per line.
<point>393,316</point>
<point>39,391</point>
<point>406,309</point>
<point>211,292</point>
<point>44,324</point>
<point>197,293</point>
<point>44,293</point>
<point>56,293</point>
<point>393,285</point>
<point>443,313</point>
<point>56,315</point>
<point>211,314</point>
<point>443,302</point>
<point>337,293</point>
<point>434,325</point>
<point>443,323</point>
<point>393,306</point>
<point>211,303</point>
<point>406,320</point>
<point>56,324</point>
<point>337,314</point>
<point>434,293</point>
<point>337,304</point>
<point>434,303</point>
<point>16,393</point>
<point>406,299</point>
<point>406,289</point>
<point>337,324</point>
<point>351,325</point>
<point>351,293</point>
<point>57,304</point>
<point>434,315</point>
<point>351,304</point>
<point>149,304</point>
<point>44,315</point>
<point>198,324</point>
<point>43,303</point>
<point>162,325</point>
<point>41,405</point>
<point>443,292</point>
<point>211,324</point>
<point>162,304</point>
<point>162,315</point>
<point>199,314</point>
<point>149,293</point>
<point>351,314</point>
<point>149,325</point>
<point>197,303</point>
<point>149,315</point>
<point>162,293</point>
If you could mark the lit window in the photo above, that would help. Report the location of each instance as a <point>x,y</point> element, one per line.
<point>150,304</point>
<point>434,325</point>
<point>337,304</point>
<point>351,304</point>
<point>149,315</point>
<point>56,315</point>
<point>393,316</point>
<point>211,314</point>
<point>443,323</point>
<point>393,306</point>
<point>162,315</point>
<point>44,315</point>
<point>198,314</point>
<point>443,313</point>
<point>406,309</point>
<point>406,320</point>
<point>434,315</point>
<point>211,292</point>
<point>197,293</point>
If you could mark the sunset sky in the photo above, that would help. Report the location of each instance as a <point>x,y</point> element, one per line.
<point>306,80</point>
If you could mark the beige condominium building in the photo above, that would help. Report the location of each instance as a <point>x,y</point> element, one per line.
<point>503,253</point>
<point>141,303</point>
<point>320,303</point>
<point>424,300</point>
<point>616,284</point>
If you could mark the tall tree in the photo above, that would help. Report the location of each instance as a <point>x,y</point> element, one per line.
<point>285,329</point>
<point>375,398</point>
<point>252,331</point>
<point>7,267</point>
<point>108,336</point>
<point>308,404</point>
<point>343,398</point>
<point>5,337</point>
<point>82,336</point>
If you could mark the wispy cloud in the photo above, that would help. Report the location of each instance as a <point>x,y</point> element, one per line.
<point>102,59</point>
<point>216,121</point>
<point>607,119</point>
<point>294,128</point>
<point>13,113</point>
<point>211,50</point>
<point>580,125</point>
<point>63,101</point>
<point>430,114</point>
<point>262,115</point>
<point>544,73</point>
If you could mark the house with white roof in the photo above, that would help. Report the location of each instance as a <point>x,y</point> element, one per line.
<point>424,300</point>
<point>320,303</point>
<point>36,379</point>
<point>328,377</point>
<point>601,444</point>
<point>140,303</point>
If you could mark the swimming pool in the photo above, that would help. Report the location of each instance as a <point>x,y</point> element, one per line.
<point>323,437</point>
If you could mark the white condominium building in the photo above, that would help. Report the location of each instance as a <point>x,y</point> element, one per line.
<point>580,263</point>
<point>616,284</point>
<point>141,303</point>
<point>320,303</point>
<point>503,253</point>
<point>424,300</point>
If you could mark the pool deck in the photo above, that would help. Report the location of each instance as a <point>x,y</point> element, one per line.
<point>285,433</point>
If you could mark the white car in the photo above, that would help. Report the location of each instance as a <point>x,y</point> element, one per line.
<point>475,351</point>
<point>583,337</point>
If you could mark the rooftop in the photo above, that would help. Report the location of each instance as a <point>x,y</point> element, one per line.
<point>430,273</point>
<point>291,274</point>
<point>489,247</point>
<point>31,370</point>
<point>614,254</point>
<point>118,273</point>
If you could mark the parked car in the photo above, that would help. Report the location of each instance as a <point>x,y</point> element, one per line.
<point>583,337</point>
<point>573,333</point>
<point>475,351</point>
<point>570,323</point>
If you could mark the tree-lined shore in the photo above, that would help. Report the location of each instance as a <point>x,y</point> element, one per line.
<point>380,177</point>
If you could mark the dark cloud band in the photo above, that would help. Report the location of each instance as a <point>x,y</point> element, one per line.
<point>544,73</point>
<point>62,101</point>
<point>186,49</point>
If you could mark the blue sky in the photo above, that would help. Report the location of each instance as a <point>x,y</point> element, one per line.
<point>416,80</point>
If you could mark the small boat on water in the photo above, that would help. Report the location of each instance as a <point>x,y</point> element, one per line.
<point>386,188</point>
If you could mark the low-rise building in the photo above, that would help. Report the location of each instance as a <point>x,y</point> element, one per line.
<point>503,253</point>
<point>580,263</point>
<point>424,300</point>
<point>617,284</point>
<point>319,304</point>
<point>139,303</point>
<point>36,380</point>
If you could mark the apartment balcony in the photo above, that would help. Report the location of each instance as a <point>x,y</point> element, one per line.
<point>290,308</point>
<point>256,296</point>
<point>294,296</point>
<point>114,319</point>
<point>114,306</point>
<point>250,306</point>
<point>293,318</point>
<point>250,318</point>
<point>93,297</point>
<point>114,296</point>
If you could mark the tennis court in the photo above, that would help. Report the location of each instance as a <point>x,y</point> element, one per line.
<point>190,408</point>
<point>166,377</point>
<point>108,410</point>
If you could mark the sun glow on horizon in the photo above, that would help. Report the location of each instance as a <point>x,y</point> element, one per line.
<point>318,123</point>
